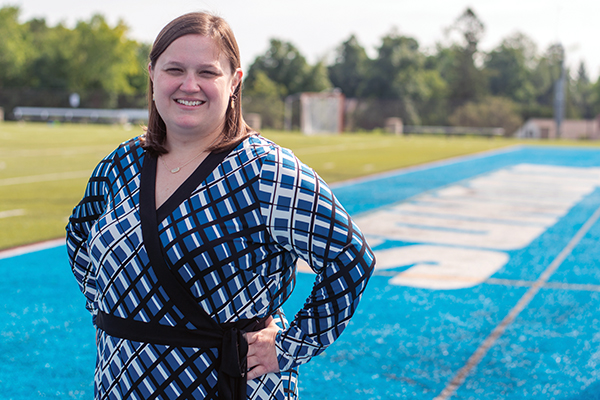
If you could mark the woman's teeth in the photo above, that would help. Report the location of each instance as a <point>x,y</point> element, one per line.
<point>189,103</point>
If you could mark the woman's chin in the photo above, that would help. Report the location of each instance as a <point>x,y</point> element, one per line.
<point>187,127</point>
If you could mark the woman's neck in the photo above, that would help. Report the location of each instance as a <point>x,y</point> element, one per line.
<point>182,145</point>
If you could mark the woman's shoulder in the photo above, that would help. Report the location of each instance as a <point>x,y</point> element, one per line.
<point>133,145</point>
<point>130,151</point>
<point>260,147</point>
<point>256,140</point>
<point>270,158</point>
<point>130,147</point>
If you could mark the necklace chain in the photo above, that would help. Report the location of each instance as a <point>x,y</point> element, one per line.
<point>177,169</point>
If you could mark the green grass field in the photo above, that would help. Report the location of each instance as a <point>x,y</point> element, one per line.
<point>44,167</point>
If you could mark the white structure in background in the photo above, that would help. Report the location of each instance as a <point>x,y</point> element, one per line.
<point>545,128</point>
<point>122,116</point>
<point>321,112</point>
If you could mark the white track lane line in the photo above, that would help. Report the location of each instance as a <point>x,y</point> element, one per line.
<point>482,350</point>
<point>30,248</point>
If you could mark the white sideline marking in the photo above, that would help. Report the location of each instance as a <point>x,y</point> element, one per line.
<point>17,251</point>
<point>341,147</point>
<point>482,350</point>
<point>58,176</point>
<point>55,151</point>
<point>12,213</point>
<point>424,167</point>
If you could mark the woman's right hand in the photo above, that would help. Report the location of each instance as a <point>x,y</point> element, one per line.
<point>262,354</point>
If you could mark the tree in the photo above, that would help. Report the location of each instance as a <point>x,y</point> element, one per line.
<point>399,75</point>
<point>317,78</point>
<point>433,101</point>
<point>443,62</point>
<point>581,95</point>
<point>510,67</point>
<point>263,96</point>
<point>490,112</point>
<point>398,59</point>
<point>471,28</point>
<point>51,67</point>
<point>42,65</point>
<point>595,98</point>
<point>349,71</point>
<point>138,79</point>
<point>284,65</point>
<point>467,82</point>
<point>544,78</point>
<point>138,76</point>
<point>15,48</point>
<point>103,57</point>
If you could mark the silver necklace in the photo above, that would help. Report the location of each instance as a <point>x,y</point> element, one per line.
<point>177,169</point>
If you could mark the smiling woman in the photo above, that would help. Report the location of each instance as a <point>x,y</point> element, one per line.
<point>193,85</point>
<point>208,77</point>
<point>186,241</point>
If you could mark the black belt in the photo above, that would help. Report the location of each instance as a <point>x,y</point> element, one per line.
<point>233,346</point>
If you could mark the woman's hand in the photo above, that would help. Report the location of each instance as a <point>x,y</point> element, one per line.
<point>262,355</point>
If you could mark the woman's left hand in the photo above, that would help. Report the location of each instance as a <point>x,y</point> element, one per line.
<point>262,355</point>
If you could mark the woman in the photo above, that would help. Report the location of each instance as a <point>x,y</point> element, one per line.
<point>186,240</point>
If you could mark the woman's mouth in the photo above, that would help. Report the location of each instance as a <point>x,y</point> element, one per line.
<point>190,102</point>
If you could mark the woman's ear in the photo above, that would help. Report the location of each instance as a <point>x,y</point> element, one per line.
<point>236,80</point>
<point>151,72</point>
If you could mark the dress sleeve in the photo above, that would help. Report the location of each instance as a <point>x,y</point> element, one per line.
<point>304,217</point>
<point>80,223</point>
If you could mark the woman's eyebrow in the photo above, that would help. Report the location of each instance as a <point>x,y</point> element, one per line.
<point>182,64</point>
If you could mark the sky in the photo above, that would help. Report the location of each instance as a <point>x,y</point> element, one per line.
<point>318,27</point>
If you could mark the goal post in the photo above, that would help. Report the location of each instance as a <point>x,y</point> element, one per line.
<point>322,112</point>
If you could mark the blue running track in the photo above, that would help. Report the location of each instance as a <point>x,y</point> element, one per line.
<point>487,287</point>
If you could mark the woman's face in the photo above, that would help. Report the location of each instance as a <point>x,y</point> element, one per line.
<point>192,86</point>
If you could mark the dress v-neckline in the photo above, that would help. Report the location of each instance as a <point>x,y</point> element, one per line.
<point>148,184</point>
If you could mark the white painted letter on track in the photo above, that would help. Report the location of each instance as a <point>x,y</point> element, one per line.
<point>455,235</point>
<point>440,267</point>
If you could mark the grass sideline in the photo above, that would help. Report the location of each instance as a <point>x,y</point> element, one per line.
<point>44,167</point>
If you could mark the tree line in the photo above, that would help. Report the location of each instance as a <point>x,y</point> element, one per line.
<point>41,65</point>
<point>453,84</point>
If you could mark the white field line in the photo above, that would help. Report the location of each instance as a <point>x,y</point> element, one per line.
<point>55,151</point>
<point>341,147</point>
<point>12,213</point>
<point>482,350</point>
<point>57,176</point>
<point>17,251</point>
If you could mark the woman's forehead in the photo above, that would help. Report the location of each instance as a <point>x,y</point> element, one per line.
<point>196,49</point>
<point>189,46</point>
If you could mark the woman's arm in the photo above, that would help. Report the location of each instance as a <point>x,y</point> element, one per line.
<point>80,223</point>
<point>303,215</point>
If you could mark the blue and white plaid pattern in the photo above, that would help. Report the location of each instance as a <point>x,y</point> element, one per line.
<point>233,243</point>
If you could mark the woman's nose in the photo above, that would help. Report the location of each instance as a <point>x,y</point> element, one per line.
<point>190,83</point>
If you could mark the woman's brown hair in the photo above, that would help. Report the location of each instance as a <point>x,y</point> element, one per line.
<point>216,28</point>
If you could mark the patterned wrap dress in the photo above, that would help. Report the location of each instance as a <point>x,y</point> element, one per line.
<point>231,235</point>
